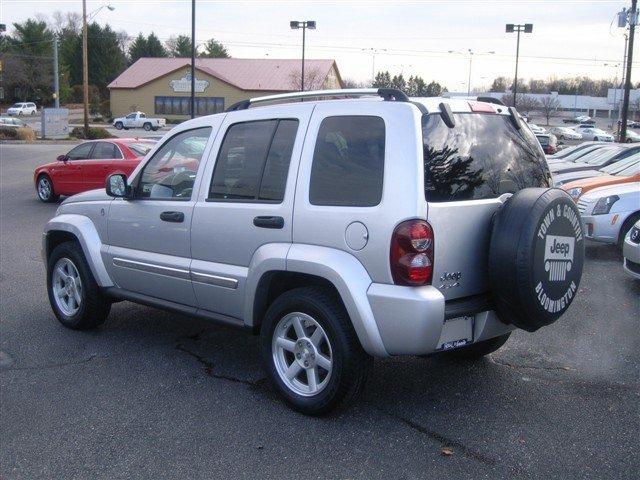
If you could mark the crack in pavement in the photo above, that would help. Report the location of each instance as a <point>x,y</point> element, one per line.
<point>208,369</point>
<point>443,440</point>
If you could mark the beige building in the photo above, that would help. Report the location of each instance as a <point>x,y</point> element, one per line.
<point>162,86</point>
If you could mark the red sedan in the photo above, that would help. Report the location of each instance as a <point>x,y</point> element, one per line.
<point>88,165</point>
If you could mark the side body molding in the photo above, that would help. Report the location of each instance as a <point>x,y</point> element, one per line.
<point>85,231</point>
<point>351,280</point>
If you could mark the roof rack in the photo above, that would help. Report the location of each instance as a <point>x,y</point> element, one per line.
<point>388,94</point>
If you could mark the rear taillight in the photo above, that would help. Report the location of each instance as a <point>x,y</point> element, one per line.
<point>411,254</point>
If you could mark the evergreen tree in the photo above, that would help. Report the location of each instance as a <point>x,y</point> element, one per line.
<point>179,46</point>
<point>214,49</point>
<point>138,48</point>
<point>155,47</point>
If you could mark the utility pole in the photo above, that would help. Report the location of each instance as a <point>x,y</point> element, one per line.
<point>295,25</point>
<point>85,69</point>
<point>510,28</point>
<point>373,61</point>
<point>633,19</point>
<point>56,83</point>
<point>193,58</point>
<point>469,80</point>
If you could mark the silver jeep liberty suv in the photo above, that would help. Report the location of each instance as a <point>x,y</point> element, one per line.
<point>338,226</point>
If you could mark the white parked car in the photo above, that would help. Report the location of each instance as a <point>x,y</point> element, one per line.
<point>537,129</point>
<point>632,137</point>
<point>631,251</point>
<point>22,108</point>
<point>138,120</point>
<point>565,133</point>
<point>591,133</point>
<point>610,212</point>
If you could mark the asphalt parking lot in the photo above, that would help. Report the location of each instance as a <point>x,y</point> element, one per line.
<point>157,395</point>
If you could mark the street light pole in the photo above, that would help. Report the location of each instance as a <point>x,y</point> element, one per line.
<point>193,58</point>
<point>85,70</point>
<point>56,83</point>
<point>304,24</point>
<point>469,80</point>
<point>510,28</point>
<point>633,19</point>
<point>373,51</point>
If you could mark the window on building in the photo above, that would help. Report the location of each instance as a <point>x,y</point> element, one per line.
<point>253,162</point>
<point>348,162</point>
<point>181,105</point>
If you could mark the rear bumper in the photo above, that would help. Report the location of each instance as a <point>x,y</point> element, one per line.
<point>410,319</point>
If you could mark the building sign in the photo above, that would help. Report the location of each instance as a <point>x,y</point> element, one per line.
<point>184,84</point>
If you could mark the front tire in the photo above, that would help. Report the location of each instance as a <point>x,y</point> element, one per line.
<point>595,139</point>
<point>44,189</point>
<point>311,352</point>
<point>74,295</point>
<point>480,349</point>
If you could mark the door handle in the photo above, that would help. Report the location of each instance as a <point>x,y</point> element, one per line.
<point>176,217</point>
<point>269,222</point>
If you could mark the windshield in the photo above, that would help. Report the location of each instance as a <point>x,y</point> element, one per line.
<point>482,156</point>
<point>16,105</point>
<point>598,155</point>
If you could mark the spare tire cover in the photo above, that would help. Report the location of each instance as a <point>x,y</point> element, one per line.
<point>535,257</point>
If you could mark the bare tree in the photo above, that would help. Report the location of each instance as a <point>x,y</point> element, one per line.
<point>549,106</point>
<point>313,79</point>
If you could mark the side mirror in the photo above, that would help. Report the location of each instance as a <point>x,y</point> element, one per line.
<point>117,186</point>
<point>62,158</point>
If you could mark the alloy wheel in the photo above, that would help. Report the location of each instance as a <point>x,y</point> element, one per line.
<point>44,189</point>
<point>67,286</point>
<point>302,354</point>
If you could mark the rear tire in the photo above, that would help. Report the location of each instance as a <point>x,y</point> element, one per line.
<point>44,189</point>
<point>480,349</point>
<point>119,126</point>
<point>310,326</point>
<point>147,127</point>
<point>74,295</point>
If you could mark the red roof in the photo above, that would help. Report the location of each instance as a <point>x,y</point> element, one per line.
<point>244,73</point>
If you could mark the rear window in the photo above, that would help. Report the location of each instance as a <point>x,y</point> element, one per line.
<point>481,157</point>
<point>140,149</point>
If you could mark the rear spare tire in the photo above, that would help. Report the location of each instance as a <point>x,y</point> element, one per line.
<point>535,257</point>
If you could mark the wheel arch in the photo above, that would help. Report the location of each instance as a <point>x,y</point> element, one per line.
<point>78,228</point>
<point>295,266</point>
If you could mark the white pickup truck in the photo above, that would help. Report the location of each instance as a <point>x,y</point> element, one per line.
<point>138,120</point>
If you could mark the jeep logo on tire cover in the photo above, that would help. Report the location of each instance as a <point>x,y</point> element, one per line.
<point>557,236</point>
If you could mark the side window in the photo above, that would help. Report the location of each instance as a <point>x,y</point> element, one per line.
<point>80,152</point>
<point>253,161</point>
<point>348,162</point>
<point>171,172</point>
<point>131,116</point>
<point>105,150</point>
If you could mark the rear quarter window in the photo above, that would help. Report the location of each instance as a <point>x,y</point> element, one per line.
<point>483,156</point>
<point>348,162</point>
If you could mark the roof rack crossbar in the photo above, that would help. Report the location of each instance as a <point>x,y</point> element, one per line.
<point>388,94</point>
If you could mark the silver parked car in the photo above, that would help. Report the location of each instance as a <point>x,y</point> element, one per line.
<point>338,230</point>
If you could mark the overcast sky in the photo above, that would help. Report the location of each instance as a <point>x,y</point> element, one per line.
<point>569,38</point>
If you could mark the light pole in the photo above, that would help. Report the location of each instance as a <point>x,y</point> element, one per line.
<point>632,16</point>
<point>304,24</point>
<point>510,28</point>
<point>85,61</point>
<point>471,53</point>
<point>193,59</point>
<point>373,51</point>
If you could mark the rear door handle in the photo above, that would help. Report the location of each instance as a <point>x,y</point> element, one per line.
<point>269,222</point>
<point>176,217</point>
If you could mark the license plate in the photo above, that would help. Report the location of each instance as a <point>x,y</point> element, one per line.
<point>456,332</point>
